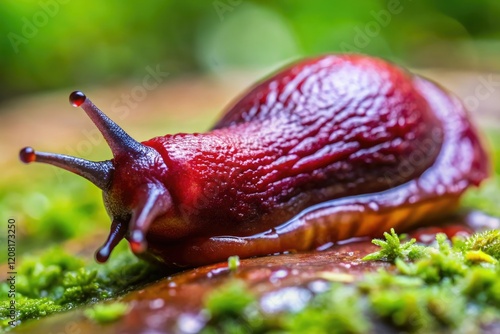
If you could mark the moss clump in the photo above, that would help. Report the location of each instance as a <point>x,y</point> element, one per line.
<point>56,281</point>
<point>106,313</point>
<point>431,289</point>
<point>233,262</point>
<point>338,310</point>
<point>487,242</point>
<point>392,249</point>
<point>232,308</point>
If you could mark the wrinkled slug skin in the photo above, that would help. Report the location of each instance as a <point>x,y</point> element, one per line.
<point>330,148</point>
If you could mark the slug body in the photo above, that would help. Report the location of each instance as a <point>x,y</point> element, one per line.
<point>331,148</point>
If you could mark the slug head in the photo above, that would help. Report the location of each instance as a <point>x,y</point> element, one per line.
<point>133,192</point>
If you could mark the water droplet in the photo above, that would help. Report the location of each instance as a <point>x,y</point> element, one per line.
<point>27,155</point>
<point>189,323</point>
<point>77,98</point>
<point>156,304</point>
<point>374,206</point>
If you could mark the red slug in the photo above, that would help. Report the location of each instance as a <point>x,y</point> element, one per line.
<point>330,148</point>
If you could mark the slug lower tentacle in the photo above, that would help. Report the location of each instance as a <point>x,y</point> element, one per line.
<point>331,148</point>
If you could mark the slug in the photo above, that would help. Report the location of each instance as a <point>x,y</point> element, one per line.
<point>329,148</point>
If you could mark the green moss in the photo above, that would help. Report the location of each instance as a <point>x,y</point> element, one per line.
<point>56,281</point>
<point>233,309</point>
<point>233,262</point>
<point>418,308</point>
<point>222,302</point>
<point>487,242</point>
<point>392,248</point>
<point>106,313</point>
<point>447,286</point>
<point>331,312</point>
<point>479,256</point>
<point>27,308</point>
<point>439,290</point>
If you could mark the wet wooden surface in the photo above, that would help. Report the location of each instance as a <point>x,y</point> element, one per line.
<point>173,304</point>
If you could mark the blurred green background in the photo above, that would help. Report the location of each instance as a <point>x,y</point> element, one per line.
<point>50,44</point>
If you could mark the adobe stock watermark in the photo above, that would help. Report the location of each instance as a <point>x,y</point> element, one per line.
<point>381,19</point>
<point>120,109</point>
<point>128,101</point>
<point>223,6</point>
<point>31,26</point>
<point>483,90</point>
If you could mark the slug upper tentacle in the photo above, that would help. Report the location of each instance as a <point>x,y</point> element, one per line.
<point>328,149</point>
